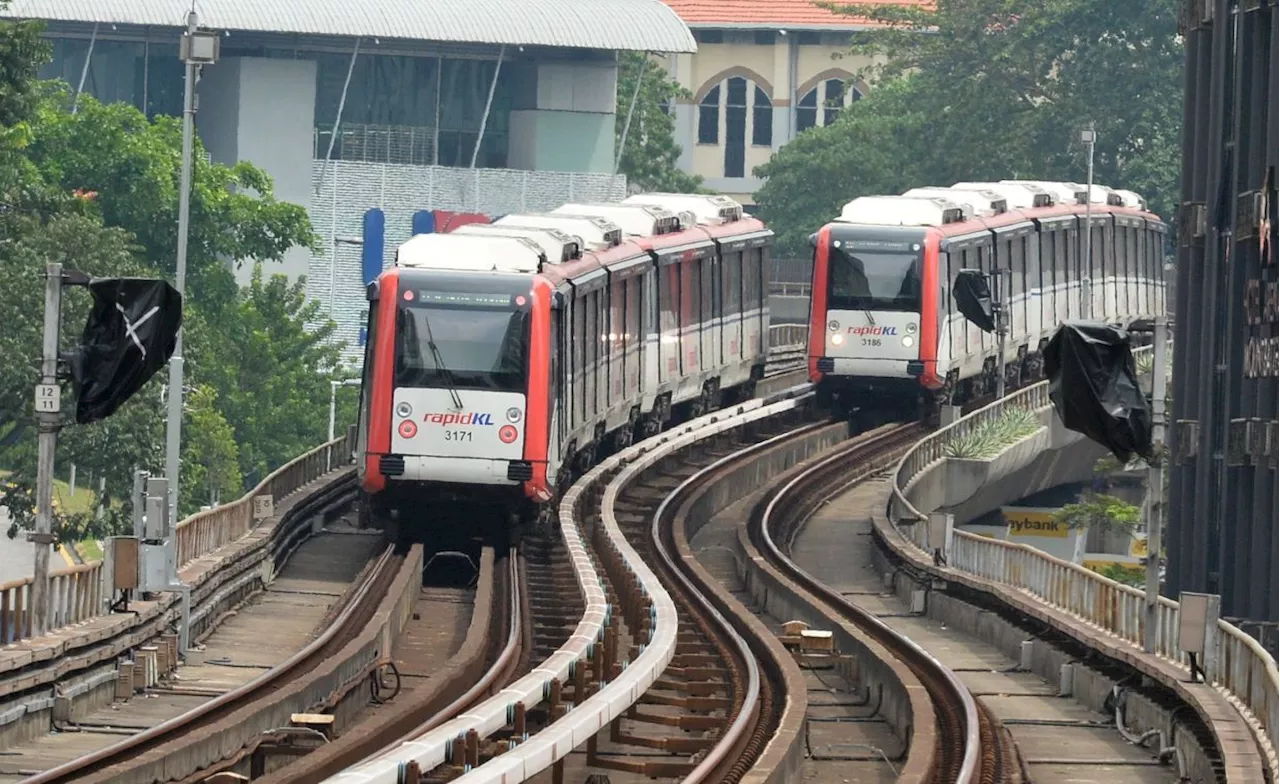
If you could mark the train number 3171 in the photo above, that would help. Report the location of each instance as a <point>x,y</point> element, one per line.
<point>457,435</point>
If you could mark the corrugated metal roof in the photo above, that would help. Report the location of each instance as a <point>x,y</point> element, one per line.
<point>629,25</point>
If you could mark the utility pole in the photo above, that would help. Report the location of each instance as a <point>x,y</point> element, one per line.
<point>1155,480</point>
<point>333,401</point>
<point>1088,136</point>
<point>48,405</point>
<point>196,49</point>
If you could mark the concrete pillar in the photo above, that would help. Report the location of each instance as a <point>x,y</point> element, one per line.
<point>571,127</point>
<point>263,111</point>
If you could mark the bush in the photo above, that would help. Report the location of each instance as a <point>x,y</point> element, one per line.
<point>989,438</point>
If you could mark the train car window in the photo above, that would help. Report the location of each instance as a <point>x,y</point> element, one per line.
<point>633,332</point>
<point>603,297</point>
<point>1032,264</point>
<point>1110,245</point>
<point>707,309</point>
<point>617,315</point>
<point>481,341</point>
<point>688,310</point>
<point>731,279</point>
<point>579,349</point>
<point>592,345</point>
<point>1018,274</point>
<point>874,279</point>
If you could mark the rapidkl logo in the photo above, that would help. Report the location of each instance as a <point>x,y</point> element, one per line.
<point>887,331</point>
<point>472,419</point>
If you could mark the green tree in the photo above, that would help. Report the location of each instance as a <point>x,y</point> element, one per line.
<point>988,90</point>
<point>110,449</point>
<point>650,155</point>
<point>133,164</point>
<point>210,464</point>
<point>273,379</point>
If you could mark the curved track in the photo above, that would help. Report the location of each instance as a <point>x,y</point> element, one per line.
<point>500,603</point>
<point>968,745</point>
<point>164,740</point>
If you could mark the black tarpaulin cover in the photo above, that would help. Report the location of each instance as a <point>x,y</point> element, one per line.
<point>973,297</point>
<point>1095,390</point>
<point>130,334</point>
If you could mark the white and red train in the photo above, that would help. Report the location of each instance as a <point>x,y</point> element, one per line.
<point>503,357</point>
<point>884,330</point>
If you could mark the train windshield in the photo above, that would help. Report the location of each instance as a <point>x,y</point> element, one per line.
<point>462,340</point>
<point>868,277</point>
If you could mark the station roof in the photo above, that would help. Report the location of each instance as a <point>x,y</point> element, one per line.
<point>771,14</point>
<point>628,25</point>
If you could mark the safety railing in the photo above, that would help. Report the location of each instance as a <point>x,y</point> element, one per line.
<point>204,532</point>
<point>76,593</point>
<point>787,346</point>
<point>1239,666</point>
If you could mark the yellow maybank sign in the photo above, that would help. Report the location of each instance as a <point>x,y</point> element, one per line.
<point>1033,522</point>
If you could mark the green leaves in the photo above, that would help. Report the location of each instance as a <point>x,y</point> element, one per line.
<point>98,191</point>
<point>989,90</point>
<point>649,158</point>
<point>990,438</point>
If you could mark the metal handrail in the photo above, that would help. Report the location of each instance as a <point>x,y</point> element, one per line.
<point>1244,671</point>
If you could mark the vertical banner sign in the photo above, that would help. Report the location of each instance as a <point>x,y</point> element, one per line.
<point>424,222</point>
<point>375,235</point>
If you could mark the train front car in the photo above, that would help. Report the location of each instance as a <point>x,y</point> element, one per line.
<point>452,384</point>
<point>873,332</point>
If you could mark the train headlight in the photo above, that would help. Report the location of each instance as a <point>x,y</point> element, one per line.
<point>513,415</point>
<point>837,339</point>
<point>908,341</point>
<point>408,429</point>
<point>404,410</point>
<point>911,328</point>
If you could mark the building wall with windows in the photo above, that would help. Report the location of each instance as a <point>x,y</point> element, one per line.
<point>752,92</point>
<point>406,140</point>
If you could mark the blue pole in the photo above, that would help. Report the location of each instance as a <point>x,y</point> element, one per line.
<point>375,236</point>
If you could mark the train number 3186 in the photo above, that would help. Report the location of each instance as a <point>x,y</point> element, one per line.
<point>457,435</point>
<point>871,341</point>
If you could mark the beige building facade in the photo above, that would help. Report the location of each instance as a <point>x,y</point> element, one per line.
<point>755,87</point>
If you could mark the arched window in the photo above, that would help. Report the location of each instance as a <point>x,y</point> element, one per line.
<point>709,117</point>
<point>747,112</point>
<point>835,96</point>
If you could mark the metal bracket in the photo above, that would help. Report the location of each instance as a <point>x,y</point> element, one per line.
<point>1187,437</point>
<point>1238,440</point>
<point>41,538</point>
<point>1192,220</point>
<point>74,277</point>
<point>1248,211</point>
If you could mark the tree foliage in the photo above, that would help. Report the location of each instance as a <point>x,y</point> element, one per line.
<point>270,376</point>
<point>97,190</point>
<point>650,155</point>
<point>990,90</point>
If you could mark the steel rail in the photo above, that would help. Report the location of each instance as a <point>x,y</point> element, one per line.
<point>815,475</point>
<point>586,719</point>
<point>171,729</point>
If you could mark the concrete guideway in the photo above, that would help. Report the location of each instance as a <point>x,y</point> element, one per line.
<point>271,626</point>
<point>1239,708</point>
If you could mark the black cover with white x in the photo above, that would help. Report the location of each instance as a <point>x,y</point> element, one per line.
<point>130,334</point>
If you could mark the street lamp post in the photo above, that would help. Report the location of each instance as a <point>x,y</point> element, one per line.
<point>1088,136</point>
<point>196,49</point>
